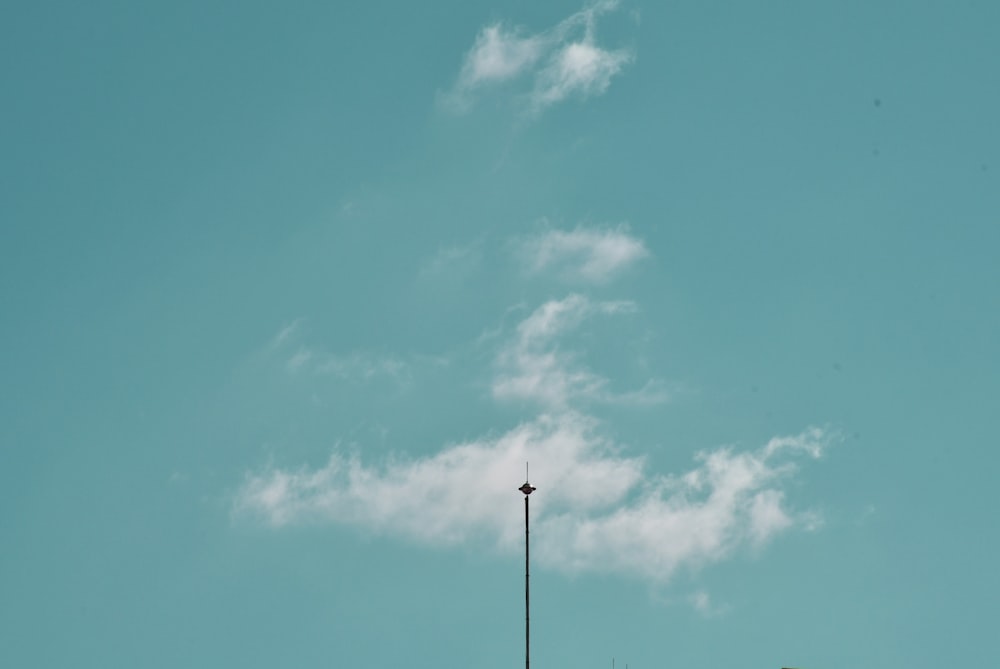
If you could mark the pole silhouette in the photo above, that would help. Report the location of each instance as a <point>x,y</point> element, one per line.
<point>527,489</point>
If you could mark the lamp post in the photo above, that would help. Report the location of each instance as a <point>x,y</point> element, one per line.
<point>527,489</point>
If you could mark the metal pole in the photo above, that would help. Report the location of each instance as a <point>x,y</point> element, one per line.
<point>527,618</point>
<point>527,489</point>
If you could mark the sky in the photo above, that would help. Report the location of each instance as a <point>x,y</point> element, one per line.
<point>291,293</point>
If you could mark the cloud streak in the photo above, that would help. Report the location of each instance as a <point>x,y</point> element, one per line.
<point>583,255</point>
<point>562,62</point>
<point>299,359</point>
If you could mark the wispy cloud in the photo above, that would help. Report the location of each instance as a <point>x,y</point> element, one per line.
<point>579,68</point>
<point>451,262</point>
<point>600,510</point>
<point>533,367</point>
<point>301,359</point>
<point>499,54</point>
<point>286,333</point>
<point>360,366</point>
<point>702,602</point>
<point>559,63</point>
<point>583,255</point>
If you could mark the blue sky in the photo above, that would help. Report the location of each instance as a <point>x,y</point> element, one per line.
<point>291,293</point>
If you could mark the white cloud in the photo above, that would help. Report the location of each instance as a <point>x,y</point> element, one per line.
<point>532,367</point>
<point>455,495</point>
<point>596,509</point>
<point>560,62</point>
<point>578,68</point>
<point>497,55</point>
<point>585,255</point>
<point>691,520</point>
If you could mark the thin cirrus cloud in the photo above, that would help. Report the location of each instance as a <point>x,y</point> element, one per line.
<point>556,64</point>
<point>300,359</point>
<point>600,508</point>
<point>451,262</point>
<point>582,255</point>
